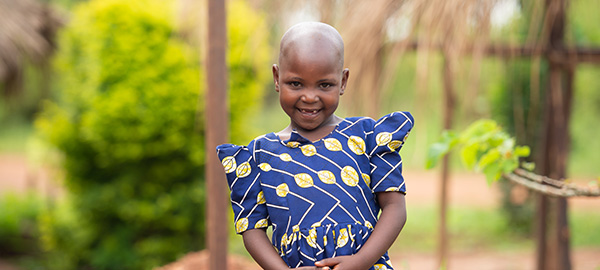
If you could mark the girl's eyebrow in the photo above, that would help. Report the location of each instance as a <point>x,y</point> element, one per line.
<point>326,80</point>
<point>295,78</point>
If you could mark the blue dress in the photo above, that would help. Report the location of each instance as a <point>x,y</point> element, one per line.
<point>318,196</point>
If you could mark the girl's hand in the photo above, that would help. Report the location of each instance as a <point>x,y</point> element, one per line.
<point>342,263</point>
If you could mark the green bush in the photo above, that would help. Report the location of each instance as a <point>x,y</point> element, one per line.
<point>19,233</point>
<point>130,132</point>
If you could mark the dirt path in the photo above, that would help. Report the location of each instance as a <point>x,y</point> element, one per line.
<point>17,175</point>
<point>466,189</point>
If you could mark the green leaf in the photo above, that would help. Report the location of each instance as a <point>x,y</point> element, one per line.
<point>437,150</point>
<point>469,155</point>
<point>522,151</point>
<point>492,172</point>
<point>489,158</point>
<point>509,165</point>
<point>530,166</point>
<point>435,153</point>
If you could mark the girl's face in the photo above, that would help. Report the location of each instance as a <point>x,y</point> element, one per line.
<point>310,85</point>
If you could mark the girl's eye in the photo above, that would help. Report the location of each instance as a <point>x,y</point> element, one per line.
<point>295,84</point>
<point>325,85</point>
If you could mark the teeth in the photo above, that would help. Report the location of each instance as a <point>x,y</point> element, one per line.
<point>309,111</point>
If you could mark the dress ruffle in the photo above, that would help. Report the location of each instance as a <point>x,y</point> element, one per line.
<point>307,245</point>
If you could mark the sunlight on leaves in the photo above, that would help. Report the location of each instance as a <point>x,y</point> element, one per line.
<point>484,147</point>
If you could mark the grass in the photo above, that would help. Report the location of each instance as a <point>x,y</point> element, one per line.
<point>469,229</point>
<point>473,228</point>
<point>14,137</point>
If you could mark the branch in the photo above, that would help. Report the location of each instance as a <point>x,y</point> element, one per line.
<point>549,186</point>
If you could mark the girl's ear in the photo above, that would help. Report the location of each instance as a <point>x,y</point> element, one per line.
<point>276,77</point>
<point>345,75</point>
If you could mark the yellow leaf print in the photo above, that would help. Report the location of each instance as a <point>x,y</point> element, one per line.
<point>303,180</point>
<point>349,176</point>
<point>241,225</point>
<point>394,145</point>
<point>285,157</point>
<point>296,228</point>
<point>383,138</point>
<point>293,144</point>
<point>343,238</point>
<point>367,179</point>
<point>312,238</point>
<point>368,224</point>
<point>326,177</point>
<point>380,267</point>
<point>392,189</point>
<point>284,240</point>
<point>260,198</point>
<point>308,150</point>
<point>265,167</point>
<point>333,144</point>
<point>357,145</point>
<point>229,164</point>
<point>263,223</point>
<point>243,170</point>
<point>316,224</point>
<point>282,190</point>
<point>406,136</point>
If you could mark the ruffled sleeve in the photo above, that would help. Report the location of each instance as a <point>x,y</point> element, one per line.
<point>388,137</point>
<point>247,199</point>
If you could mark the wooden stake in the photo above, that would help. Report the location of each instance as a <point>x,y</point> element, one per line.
<point>216,113</point>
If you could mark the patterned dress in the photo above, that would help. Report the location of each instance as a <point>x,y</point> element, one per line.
<point>318,196</point>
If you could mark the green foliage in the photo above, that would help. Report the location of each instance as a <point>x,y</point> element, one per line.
<point>129,129</point>
<point>584,156</point>
<point>516,104</point>
<point>18,224</point>
<point>249,67</point>
<point>484,147</point>
<point>581,23</point>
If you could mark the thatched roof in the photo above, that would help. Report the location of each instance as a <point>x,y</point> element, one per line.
<point>27,30</point>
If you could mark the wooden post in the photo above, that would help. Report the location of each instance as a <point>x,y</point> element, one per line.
<point>217,121</point>
<point>445,173</point>
<point>553,251</point>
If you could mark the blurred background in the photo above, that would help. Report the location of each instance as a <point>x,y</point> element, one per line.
<point>102,120</point>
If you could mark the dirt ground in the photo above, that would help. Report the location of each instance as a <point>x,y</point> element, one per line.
<point>466,189</point>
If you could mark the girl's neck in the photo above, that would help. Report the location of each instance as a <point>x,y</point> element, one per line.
<point>311,135</point>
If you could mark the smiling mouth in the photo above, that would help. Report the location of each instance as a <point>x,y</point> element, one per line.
<point>308,111</point>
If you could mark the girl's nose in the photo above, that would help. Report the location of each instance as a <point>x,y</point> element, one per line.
<point>310,96</point>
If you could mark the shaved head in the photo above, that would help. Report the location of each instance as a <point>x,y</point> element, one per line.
<point>307,37</point>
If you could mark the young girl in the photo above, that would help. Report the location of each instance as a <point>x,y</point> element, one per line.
<point>322,181</point>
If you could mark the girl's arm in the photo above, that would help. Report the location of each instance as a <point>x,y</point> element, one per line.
<point>260,248</point>
<point>391,221</point>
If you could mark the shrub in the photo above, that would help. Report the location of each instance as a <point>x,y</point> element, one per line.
<point>130,131</point>
<point>18,224</point>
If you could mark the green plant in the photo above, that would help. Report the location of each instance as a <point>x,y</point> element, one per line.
<point>129,129</point>
<point>18,224</point>
<point>484,147</point>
